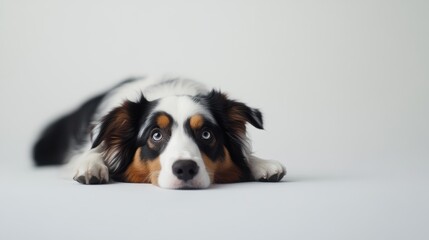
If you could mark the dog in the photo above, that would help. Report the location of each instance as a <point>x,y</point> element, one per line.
<point>173,133</point>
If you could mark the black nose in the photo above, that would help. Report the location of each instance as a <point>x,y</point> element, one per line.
<point>185,169</point>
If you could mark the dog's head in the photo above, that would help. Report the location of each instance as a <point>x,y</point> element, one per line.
<point>178,141</point>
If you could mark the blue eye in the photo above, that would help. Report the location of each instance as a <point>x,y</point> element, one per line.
<point>206,135</point>
<point>156,135</point>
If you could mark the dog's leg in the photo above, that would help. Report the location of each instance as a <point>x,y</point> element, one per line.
<point>266,170</point>
<point>90,168</point>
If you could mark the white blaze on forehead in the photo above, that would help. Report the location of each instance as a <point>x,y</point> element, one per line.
<point>181,108</point>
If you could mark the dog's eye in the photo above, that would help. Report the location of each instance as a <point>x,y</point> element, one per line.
<point>156,135</point>
<point>206,135</point>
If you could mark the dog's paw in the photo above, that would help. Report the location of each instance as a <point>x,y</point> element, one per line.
<point>267,170</point>
<point>92,170</point>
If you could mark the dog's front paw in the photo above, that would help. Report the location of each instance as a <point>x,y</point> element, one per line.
<point>267,170</point>
<point>92,170</point>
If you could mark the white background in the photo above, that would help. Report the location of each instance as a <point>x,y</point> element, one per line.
<point>343,85</point>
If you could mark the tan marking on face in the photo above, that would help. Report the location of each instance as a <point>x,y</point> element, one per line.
<point>222,171</point>
<point>211,167</point>
<point>163,121</point>
<point>143,171</point>
<point>196,121</point>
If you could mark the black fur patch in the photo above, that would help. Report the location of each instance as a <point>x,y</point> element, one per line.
<point>147,152</point>
<point>213,148</point>
<point>57,139</point>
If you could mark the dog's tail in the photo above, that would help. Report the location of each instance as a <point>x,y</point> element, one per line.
<point>67,132</point>
<point>52,146</point>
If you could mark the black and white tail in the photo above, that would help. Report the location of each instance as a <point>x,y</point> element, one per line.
<point>64,134</point>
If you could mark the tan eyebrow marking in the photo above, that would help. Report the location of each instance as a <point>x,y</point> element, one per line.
<point>196,121</point>
<point>163,121</point>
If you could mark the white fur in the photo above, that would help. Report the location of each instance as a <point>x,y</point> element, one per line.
<point>90,164</point>
<point>263,169</point>
<point>152,89</point>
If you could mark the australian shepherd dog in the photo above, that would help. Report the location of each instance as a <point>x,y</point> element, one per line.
<point>173,133</point>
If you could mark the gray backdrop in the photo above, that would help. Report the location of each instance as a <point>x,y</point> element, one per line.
<point>343,86</point>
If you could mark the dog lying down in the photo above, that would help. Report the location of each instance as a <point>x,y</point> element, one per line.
<point>173,134</point>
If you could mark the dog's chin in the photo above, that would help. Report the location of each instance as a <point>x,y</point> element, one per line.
<point>186,185</point>
<point>174,183</point>
<point>190,186</point>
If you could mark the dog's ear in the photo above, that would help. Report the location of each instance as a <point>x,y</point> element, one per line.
<point>116,134</point>
<point>231,113</point>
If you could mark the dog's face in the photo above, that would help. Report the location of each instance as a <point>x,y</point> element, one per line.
<point>178,141</point>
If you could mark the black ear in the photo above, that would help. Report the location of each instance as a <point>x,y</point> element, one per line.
<point>237,113</point>
<point>254,117</point>
<point>117,134</point>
